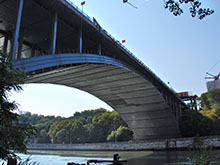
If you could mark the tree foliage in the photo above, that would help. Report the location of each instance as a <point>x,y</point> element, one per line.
<point>205,102</point>
<point>174,6</point>
<point>211,101</point>
<point>193,123</point>
<point>121,134</point>
<point>206,121</point>
<point>214,99</point>
<point>211,114</point>
<point>88,113</point>
<point>13,135</point>
<point>68,131</point>
<point>34,119</point>
<point>103,124</point>
<point>41,134</point>
<point>83,127</point>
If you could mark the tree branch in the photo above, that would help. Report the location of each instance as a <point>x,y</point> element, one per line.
<point>174,6</point>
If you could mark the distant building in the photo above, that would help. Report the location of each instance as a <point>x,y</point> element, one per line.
<point>211,84</point>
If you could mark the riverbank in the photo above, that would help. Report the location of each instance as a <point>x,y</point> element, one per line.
<point>165,144</point>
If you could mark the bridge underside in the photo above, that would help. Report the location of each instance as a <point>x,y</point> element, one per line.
<point>137,101</point>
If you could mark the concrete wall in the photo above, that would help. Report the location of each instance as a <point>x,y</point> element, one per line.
<point>167,144</point>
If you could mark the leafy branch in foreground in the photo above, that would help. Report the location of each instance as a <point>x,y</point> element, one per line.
<point>13,135</point>
<point>174,6</point>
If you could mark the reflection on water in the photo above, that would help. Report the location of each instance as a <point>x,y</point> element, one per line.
<point>132,157</point>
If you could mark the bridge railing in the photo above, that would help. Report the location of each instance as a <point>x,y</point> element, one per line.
<point>114,40</point>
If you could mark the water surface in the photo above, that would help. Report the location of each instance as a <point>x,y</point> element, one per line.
<point>44,157</point>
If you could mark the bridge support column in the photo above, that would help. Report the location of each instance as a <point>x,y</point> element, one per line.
<point>20,43</point>
<point>5,45</point>
<point>80,39</point>
<point>32,51</point>
<point>177,111</point>
<point>100,49</point>
<point>54,34</point>
<point>180,109</point>
<point>17,29</point>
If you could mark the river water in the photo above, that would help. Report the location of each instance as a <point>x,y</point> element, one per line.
<point>132,157</point>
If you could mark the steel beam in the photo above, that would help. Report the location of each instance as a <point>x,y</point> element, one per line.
<point>80,38</point>
<point>54,34</point>
<point>17,29</point>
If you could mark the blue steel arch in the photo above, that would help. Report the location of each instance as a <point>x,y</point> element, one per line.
<point>134,97</point>
<point>47,61</point>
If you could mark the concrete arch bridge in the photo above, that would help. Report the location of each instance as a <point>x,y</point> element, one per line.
<point>55,42</point>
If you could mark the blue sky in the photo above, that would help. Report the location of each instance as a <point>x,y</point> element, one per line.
<point>179,50</point>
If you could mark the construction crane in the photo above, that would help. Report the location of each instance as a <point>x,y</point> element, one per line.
<point>126,1</point>
<point>213,77</point>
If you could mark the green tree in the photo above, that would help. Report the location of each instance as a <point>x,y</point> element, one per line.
<point>55,131</point>
<point>27,117</point>
<point>205,102</point>
<point>214,99</point>
<point>121,134</point>
<point>193,123</point>
<point>210,102</point>
<point>86,126</point>
<point>79,132</point>
<point>88,113</point>
<point>103,124</point>
<point>41,135</point>
<point>69,131</point>
<point>13,135</point>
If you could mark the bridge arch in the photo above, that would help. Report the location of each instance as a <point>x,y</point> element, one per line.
<point>134,97</point>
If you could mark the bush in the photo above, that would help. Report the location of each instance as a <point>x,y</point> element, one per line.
<point>193,123</point>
